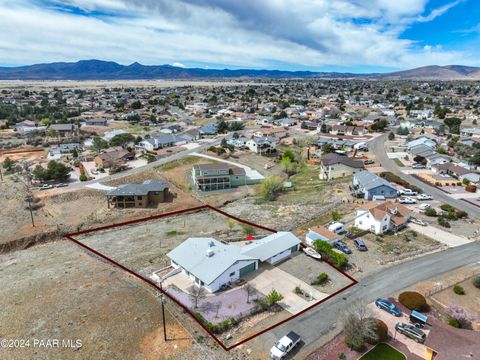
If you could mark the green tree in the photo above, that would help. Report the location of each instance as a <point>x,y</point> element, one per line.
<point>288,166</point>
<point>336,216</point>
<point>270,187</point>
<point>136,105</point>
<point>453,124</point>
<point>274,297</point>
<point>327,148</point>
<point>122,139</point>
<point>8,164</point>
<point>222,127</point>
<point>98,143</point>
<point>288,154</point>
<point>391,136</point>
<point>83,177</point>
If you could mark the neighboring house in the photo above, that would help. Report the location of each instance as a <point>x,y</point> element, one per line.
<point>218,176</point>
<point>209,129</point>
<point>263,145</point>
<point>368,185</point>
<point>160,142</point>
<point>321,233</point>
<point>191,135</point>
<point>286,122</point>
<point>470,132</point>
<point>273,132</point>
<point>148,194</point>
<point>63,130</point>
<point>456,171</point>
<point>240,143</point>
<point>333,166</point>
<point>468,142</point>
<point>436,159</point>
<point>422,140</point>
<point>96,122</point>
<point>382,217</point>
<point>422,150</point>
<point>213,265</point>
<point>113,157</point>
<point>348,130</point>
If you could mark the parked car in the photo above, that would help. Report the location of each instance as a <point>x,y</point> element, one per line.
<point>61,185</point>
<point>45,187</point>
<point>424,207</point>
<point>369,162</point>
<point>418,221</point>
<point>360,244</point>
<point>284,345</point>
<point>408,192</point>
<point>424,197</point>
<point>418,166</point>
<point>406,200</point>
<point>410,331</point>
<point>388,307</point>
<point>340,245</point>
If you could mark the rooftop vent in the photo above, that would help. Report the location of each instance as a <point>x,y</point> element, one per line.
<point>211,243</point>
<point>210,252</point>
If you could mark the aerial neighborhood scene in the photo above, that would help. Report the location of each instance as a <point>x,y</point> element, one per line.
<point>297,180</point>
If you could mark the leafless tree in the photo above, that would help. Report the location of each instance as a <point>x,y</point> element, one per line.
<point>196,294</point>
<point>250,290</point>
<point>358,326</point>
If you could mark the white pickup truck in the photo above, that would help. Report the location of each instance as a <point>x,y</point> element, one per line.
<point>284,345</point>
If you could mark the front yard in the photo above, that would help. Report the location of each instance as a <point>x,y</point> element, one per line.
<point>383,352</point>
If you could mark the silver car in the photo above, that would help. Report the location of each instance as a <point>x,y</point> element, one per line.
<point>410,331</point>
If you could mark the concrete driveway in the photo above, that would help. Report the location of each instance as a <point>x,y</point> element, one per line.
<point>269,277</point>
<point>390,321</point>
<point>443,236</point>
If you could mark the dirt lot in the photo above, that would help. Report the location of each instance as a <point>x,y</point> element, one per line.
<point>142,247</point>
<point>470,301</point>
<point>57,291</point>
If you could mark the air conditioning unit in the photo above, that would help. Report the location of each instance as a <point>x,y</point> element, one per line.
<point>210,252</point>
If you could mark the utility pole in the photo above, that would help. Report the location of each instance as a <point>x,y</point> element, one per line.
<point>163,314</point>
<point>30,208</point>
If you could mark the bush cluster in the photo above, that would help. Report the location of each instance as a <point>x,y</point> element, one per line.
<point>381,332</point>
<point>476,282</point>
<point>413,300</point>
<point>457,289</point>
<point>320,279</point>
<point>327,252</point>
<point>391,177</point>
<point>217,328</point>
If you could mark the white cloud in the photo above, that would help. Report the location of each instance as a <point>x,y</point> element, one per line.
<point>180,65</point>
<point>250,33</point>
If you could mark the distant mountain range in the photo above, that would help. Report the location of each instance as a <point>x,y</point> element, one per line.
<point>108,70</point>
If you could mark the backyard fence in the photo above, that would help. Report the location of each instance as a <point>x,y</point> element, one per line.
<point>446,284</point>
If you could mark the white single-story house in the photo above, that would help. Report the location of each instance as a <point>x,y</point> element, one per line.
<point>212,264</point>
<point>261,145</point>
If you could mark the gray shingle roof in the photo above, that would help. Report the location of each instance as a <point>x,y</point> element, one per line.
<point>139,189</point>
<point>332,159</point>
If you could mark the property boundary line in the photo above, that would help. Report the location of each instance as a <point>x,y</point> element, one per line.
<point>70,236</point>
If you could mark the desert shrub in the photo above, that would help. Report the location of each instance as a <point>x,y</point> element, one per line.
<point>381,330</point>
<point>431,212</point>
<point>391,177</point>
<point>320,279</point>
<point>457,289</point>
<point>443,222</point>
<point>460,214</point>
<point>454,322</point>
<point>274,297</point>
<point>447,207</point>
<point>476,282</point>
<point>413,300</point>
<point>342,356</point>
<point>471,188</point>
<point>298,290</point>
<point>270,187</point>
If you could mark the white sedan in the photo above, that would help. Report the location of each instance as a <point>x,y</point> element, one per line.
<point>424,207</point>
<point>424,197</point>
<point>407,200</point>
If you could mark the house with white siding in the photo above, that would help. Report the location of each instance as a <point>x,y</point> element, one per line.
<point>382,217</point>
<point>211,264</point>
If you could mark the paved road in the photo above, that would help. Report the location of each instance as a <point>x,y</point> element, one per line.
<point>173,157</point>
<point>321,320</point>
<point>377,147</point>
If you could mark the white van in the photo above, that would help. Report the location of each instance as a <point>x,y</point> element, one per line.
<point>337,228</point>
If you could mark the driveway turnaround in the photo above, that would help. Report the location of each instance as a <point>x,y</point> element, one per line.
<point>443,236</point>
<point>269,277</point>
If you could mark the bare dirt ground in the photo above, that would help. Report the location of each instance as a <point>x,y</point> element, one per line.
<point>142,246</point>
<point>57,291</point>
<point>470,301</point>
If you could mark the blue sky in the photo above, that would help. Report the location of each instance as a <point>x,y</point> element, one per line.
<point>320,35</point>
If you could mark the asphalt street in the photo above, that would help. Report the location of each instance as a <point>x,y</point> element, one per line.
<point>377,147</point>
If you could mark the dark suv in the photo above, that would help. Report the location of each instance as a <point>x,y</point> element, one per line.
<point>410,331</point>
<point>360,244</point>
